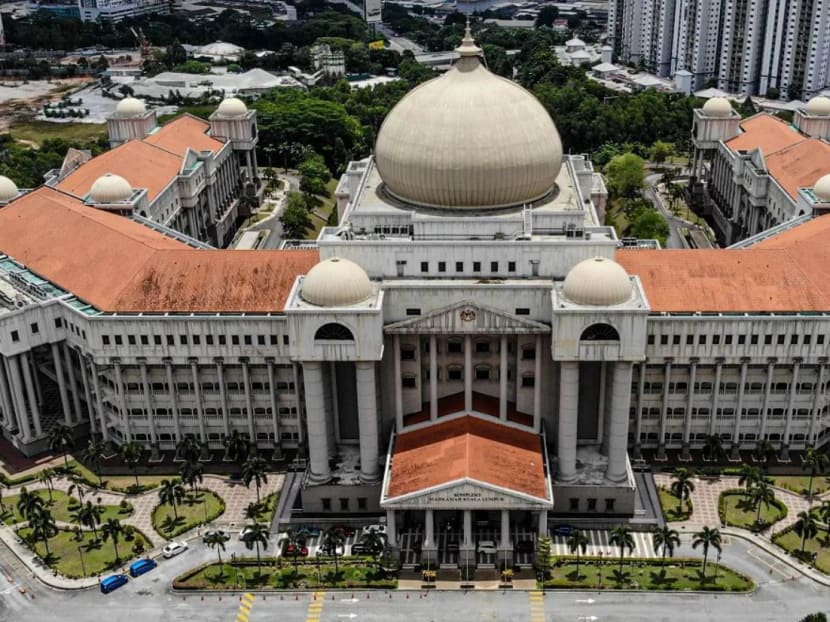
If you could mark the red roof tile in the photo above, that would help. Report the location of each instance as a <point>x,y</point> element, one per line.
<point>185,132</point>
<point>800,165</point>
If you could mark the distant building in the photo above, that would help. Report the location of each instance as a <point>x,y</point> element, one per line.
<point>115,10</point>
<point>331,62</point>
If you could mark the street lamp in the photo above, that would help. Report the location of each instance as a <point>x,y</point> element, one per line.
<point>81,553</point>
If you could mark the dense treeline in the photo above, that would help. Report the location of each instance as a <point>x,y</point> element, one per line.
<point>27,166</point>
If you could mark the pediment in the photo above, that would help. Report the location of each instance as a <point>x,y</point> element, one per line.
<point>466,317</point>
<point>467,493</point>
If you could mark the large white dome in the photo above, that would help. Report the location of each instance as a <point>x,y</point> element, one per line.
<point>336,282</point>
<point>468,140</point>
<point>597,282</point>
<point>8,189</point>
<point>232,108</point>
<point>819,106</point>
<point>717,107</point>
<point>130,107</point>
<point>822,189</point>
<point>110,188</point>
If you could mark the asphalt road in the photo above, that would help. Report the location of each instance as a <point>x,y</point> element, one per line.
<point>149,599</point>
<point>675,223</point>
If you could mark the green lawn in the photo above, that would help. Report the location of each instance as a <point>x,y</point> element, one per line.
<point>799,483</point>
<point>646,575</point>
<point>670,502</point>
<point>197,508</point>
<point>60,507</point>
<point>39,131</point>
<point>66,551</point>
<point>276,577</point>
<point>736,510</point>
<point>791,541</point>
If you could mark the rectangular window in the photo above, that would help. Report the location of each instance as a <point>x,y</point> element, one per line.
<point>820,340</point>
<point>344,503</point>
<point>609,505</point>
<point>573,504</point>
<point>459,266</point>
<point>183,340</point>
<point>650,340</point>
<point>222,340</point>
<point>511,266</point>
<point>728,340</point>
<point>35,329</point>
<point>482,347</point>
<point>235,340</point>
<point>701,339</point>
<point>145,341</point>
<point>131,340</point>
<point>482,373</point>
<point>455,374</point>
<point>716,340</point>
<point>274,340</point>
<point>118,340</point>
<point>454,347</point>
<point>494,266</point>
<point>664,340</point>
<point>170,340</point>
<point>690,340</point>
<point>209,340</point>
<point>408,353</point>
<point>741,340</point>
<point>442,266</point>
<point>780,340</point>
<point>413,311</point>
<point>528,381</point>
<point>408,382</point>
<point>362,503</point>
<point>424,266</point>
<point>753,340</point>
<point>326,504</point>
<point>522,311</point>
<point>675,340</point>
<point>476,266</point>
<point>592,505</point>
<point>157,340</point>
<point>248,340</point>
<point>285,340</point>
<point>58,322</point>
<point>793,340</point>
<point>260,340</point>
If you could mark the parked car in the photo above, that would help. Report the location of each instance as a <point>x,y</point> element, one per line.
<point>562,530</point>
<point>302,551</point>
<point>525,546</point>
<point>212,532</point>
<point>330,550</point>
<point>358,548</point>
<point>308,531</point>
<point>141,566</point>
<point>244,532</point>
<point>347,531</point>
<point>488,547</point>
<point>174,548</point>
<point>113,582</point>
<point>375,527</point>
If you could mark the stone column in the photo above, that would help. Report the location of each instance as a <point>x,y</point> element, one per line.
<point>713,422</point>
<point>568,413</point>
<point>690,400</point>
<point>816,409</point>
<point>275,418</point>
<point>298,407</point>
<point>429,549</point>
<point>174,399</point>
<point>396,354</point>
<point>537,386</point>
<point>503,378</point>
<point>32,391</point>
<point>249,403</point>
<point>767,392</point>
<point>504,556</point>
<point>200,411</point>
<point>15,363</point>
<point>391,529</point>
<point>126,427</point>
<point>56,357</point>
<point>368,418</point>
<point>5,397</point>
<point>638,425</point>
<point>223,396</point>
<point>433,378</point>
<point>468,529</point>
<point>661,446</point>
<point>618,430</point>
<point>90,409</point>
<point>543,523</point>
<point>73,386</point>
<point>148,407</point>
<point>736,430</point>
<point>318,439</point>
<point>99,401</point>
<point>785,440</point>
<point>468,374</point>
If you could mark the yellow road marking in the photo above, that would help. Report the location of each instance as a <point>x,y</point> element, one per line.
<point>246,604</point>
<point>537,606</point>
<point>315,607</point>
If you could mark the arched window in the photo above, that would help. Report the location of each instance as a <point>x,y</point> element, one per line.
<point>333,332</point>
<point>600,332</point>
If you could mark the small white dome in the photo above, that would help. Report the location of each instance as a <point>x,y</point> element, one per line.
<point>8,189</point>
<point>232,107</point>
<point>130,107</point>
<point>336,282</point>
<point>597,282</point>
<point>717,107</point>
<point>822,189</point>
<point>819,106</point>
<point>110,189</point>
<point>575,42</point>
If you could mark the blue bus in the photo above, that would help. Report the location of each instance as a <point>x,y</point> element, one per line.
<point>141,566</point>
<point>113,582</point>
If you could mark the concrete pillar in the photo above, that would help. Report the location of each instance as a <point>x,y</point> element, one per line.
<point>148,407</point>
<point>126,428</point>
<point>223,396</point>
<point>99,402</point>
<point>318,440</point>
<point>690,400</point>
<point>73,385</point>
<point>537,386</point>
<point>200,411</point>
<point>275,417</point>
<point>568,413</point>
<point>503,378</point>
<point>661,447</point>
<point>90,409</point>
<point>638,421</point>
<point>504,542</point>
<point>32,392</point>
<point>33,368</point>
<point>249,403</point>
<point>468,373</point>
<point>333,413</point>
<point>767,392</point>
<point>816,408</point>
<point>429,548</point>
<point>396,354</point>
<point>298,407</point>
<point>391,529</point>
<point>56,357</point>
<point>433,378</point>
<point>736,430</point>
<point>467,542</point>
<point>543,523</point>
<point>785,440</point>
<point>174,400</point>
<point>19,389</point>
<point>618,430</point>
<point>368,418</point>
<point>5,397</point>
<point>715,397</point>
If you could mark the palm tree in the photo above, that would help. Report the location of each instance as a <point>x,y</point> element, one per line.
<point>762,494</point>
<point>667,539</point>
<point>43,527</point>
<point>332,539</point>
<point>256,536</point>
<point>577,543</point>
<point>823,512</point>
<point>171,492</point>
<point>749,476</point>
<point>254,469</point>
<point>188,449</point>
<point>216,540</point>
<point>77,485</point>
<point>93,456</point>
<point>30,504</point>
<point>89,516</point>
<point>815,463</point>
<point>713,446</point>
<point>621,537</point>
<point>191,474</point>
<point>375,541</point>
<point>112,530</point>
<point>296,541</point>
<point>764,451</point>
<point>807,527</point>
<point>708,538</point>
<point>682,486</point>
<point>130,454</point>
<point>47,478</point>
<point>236,447</point>
<point>252,511</point>
<point>60,440</point>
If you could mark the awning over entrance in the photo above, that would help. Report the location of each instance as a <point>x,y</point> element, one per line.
<point>467,463</point>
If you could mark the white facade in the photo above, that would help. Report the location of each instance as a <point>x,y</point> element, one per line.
<point>115,10</point>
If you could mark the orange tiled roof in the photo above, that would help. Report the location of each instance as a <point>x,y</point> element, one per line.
<point>118,265</point>
<point>185,132</point>
<point>765,132</point>
<point>468,447</point>
<point>800,165</point>
<point>142,164</point>
<point>785,273</point>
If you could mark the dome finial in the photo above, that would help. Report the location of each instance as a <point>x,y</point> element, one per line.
<point>468,45</point>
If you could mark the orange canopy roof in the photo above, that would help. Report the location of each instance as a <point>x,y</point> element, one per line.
<point>468,448</point>
<point>118,265</point>
<point>182,133</point>
<point>765,132</point>
<point>800,165</point>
